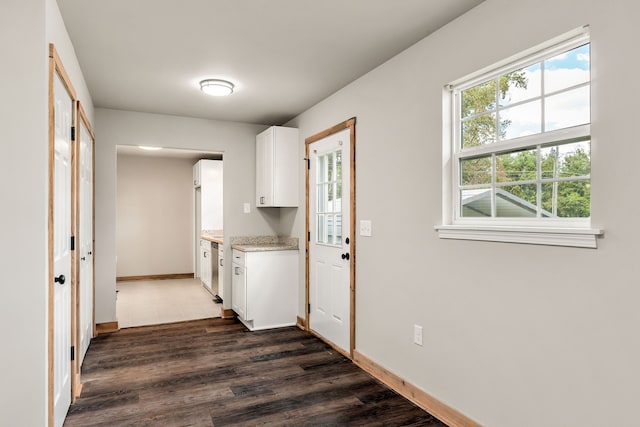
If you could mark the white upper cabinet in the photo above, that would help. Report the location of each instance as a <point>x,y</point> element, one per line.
<point>277,164</point>
<point>196,175</point>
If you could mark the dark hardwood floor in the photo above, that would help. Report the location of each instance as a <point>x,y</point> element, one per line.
<point>216,373</point>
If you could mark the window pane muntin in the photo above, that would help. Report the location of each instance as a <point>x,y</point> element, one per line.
<point>516,201</point>
<point>479,130</point>
<point>478,99</point>
<point>520,120</point>
<point>568,69</point>
<point>568,109</point>
<point>567,199</point>
<point>521,85</point>
<point>328,196</point>
<point>566,160</point>
<point>477,170</point>
<point>516,166</point>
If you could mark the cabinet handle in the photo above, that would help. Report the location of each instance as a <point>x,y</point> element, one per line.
<point>204,254</point>
<point>262,200</point>
<point>235,271</point>
<point>221,264</point>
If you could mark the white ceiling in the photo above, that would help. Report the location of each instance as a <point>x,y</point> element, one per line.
<point>283,55</point>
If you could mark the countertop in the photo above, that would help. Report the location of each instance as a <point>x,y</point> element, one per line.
<point>264,243</point>
<point>212,236</point>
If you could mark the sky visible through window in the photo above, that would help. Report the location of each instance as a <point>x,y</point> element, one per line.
<point>565,109</point>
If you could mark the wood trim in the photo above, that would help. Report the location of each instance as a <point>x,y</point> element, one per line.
<point>56,66</point>
<point>347,124</point>
<point>107,328</point>
<point>330,344</point>
<point>301,323</point>
<point>53,54</point>
<point>75,259</point>
<point>155,277</point>
<point>227,313</point>
<point>443,412</point>
<point>87,125</point>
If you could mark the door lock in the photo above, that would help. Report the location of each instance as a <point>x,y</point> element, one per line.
<point>345,256</point>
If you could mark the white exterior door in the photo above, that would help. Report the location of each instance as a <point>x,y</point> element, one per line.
<point>85,204</point>
<point>63,120</point>
<point>329,227</point>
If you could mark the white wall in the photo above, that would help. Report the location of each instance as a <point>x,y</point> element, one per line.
<point>26,28</point>
<point>154,215</point>
<point>235,140</point>
<point>521,335</point>
<point>23,253</point>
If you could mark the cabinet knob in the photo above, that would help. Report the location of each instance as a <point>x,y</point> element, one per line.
<point>60,279</point>
<point>345,256</point>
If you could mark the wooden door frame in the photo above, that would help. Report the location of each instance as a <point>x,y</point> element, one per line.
<point>81,120</point>
<point>55,66</point>
<point>351,125</point>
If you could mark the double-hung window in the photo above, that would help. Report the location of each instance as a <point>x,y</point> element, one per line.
<point>520,158</point>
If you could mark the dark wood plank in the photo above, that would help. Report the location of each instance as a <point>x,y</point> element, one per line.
<point>214,373</point>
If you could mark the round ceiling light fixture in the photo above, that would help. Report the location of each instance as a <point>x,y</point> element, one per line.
<point>215,87</point>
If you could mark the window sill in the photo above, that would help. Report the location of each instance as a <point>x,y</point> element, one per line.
<point>577,238</point>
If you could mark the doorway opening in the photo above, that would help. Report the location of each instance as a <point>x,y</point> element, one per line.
<point>158,228</point>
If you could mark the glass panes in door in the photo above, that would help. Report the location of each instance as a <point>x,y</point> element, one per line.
<point>329,198</point>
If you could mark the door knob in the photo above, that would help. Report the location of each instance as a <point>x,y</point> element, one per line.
<point>82,259</point>
<point>345,256</point>
<point>60,279</point>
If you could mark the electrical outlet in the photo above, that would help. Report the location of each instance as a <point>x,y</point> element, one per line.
<point>247,207</point>
<point>365,227</point>
<point>417,335</point>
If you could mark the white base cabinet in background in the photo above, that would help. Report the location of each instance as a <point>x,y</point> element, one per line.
<point>221,271</point>
<point>265,288</point>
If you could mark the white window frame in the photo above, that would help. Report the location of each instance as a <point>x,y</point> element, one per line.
<point>576,232</point>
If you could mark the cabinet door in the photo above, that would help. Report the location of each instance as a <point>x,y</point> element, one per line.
<point>196,175</point>
<point>239,291</point>
<point>206,268</point>
<point>220,273</point>
<point>264,168</point>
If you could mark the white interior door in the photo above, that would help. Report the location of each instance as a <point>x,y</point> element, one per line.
<point>329,225</point>
<point>85,239</point>
<point>63,120</point>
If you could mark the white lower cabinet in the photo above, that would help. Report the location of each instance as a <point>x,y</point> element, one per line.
<point>205,263</point>
<point>265,288</point>
<point>221,271</point>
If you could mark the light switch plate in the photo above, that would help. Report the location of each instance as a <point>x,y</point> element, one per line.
<point>365,227</point>
<point>247,207</point>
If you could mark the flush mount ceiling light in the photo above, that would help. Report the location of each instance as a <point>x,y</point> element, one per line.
<point>145,147</point>
<point>215,87</point>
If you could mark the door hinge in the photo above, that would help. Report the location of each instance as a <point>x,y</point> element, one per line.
<point>73,243</point>
<point>73,133</point>
<point>308,160</point>
<point>308,236</point>
<point>308,308</point>
<point>73,352</point>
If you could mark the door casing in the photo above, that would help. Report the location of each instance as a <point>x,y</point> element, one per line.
<point>351,125</point>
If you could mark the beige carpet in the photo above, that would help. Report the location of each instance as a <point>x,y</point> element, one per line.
<point>153,302</point>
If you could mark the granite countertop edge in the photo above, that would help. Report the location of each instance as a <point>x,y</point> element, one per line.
<point>264,243</point>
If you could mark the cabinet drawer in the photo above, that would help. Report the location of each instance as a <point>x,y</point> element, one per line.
<point>239,257</point>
